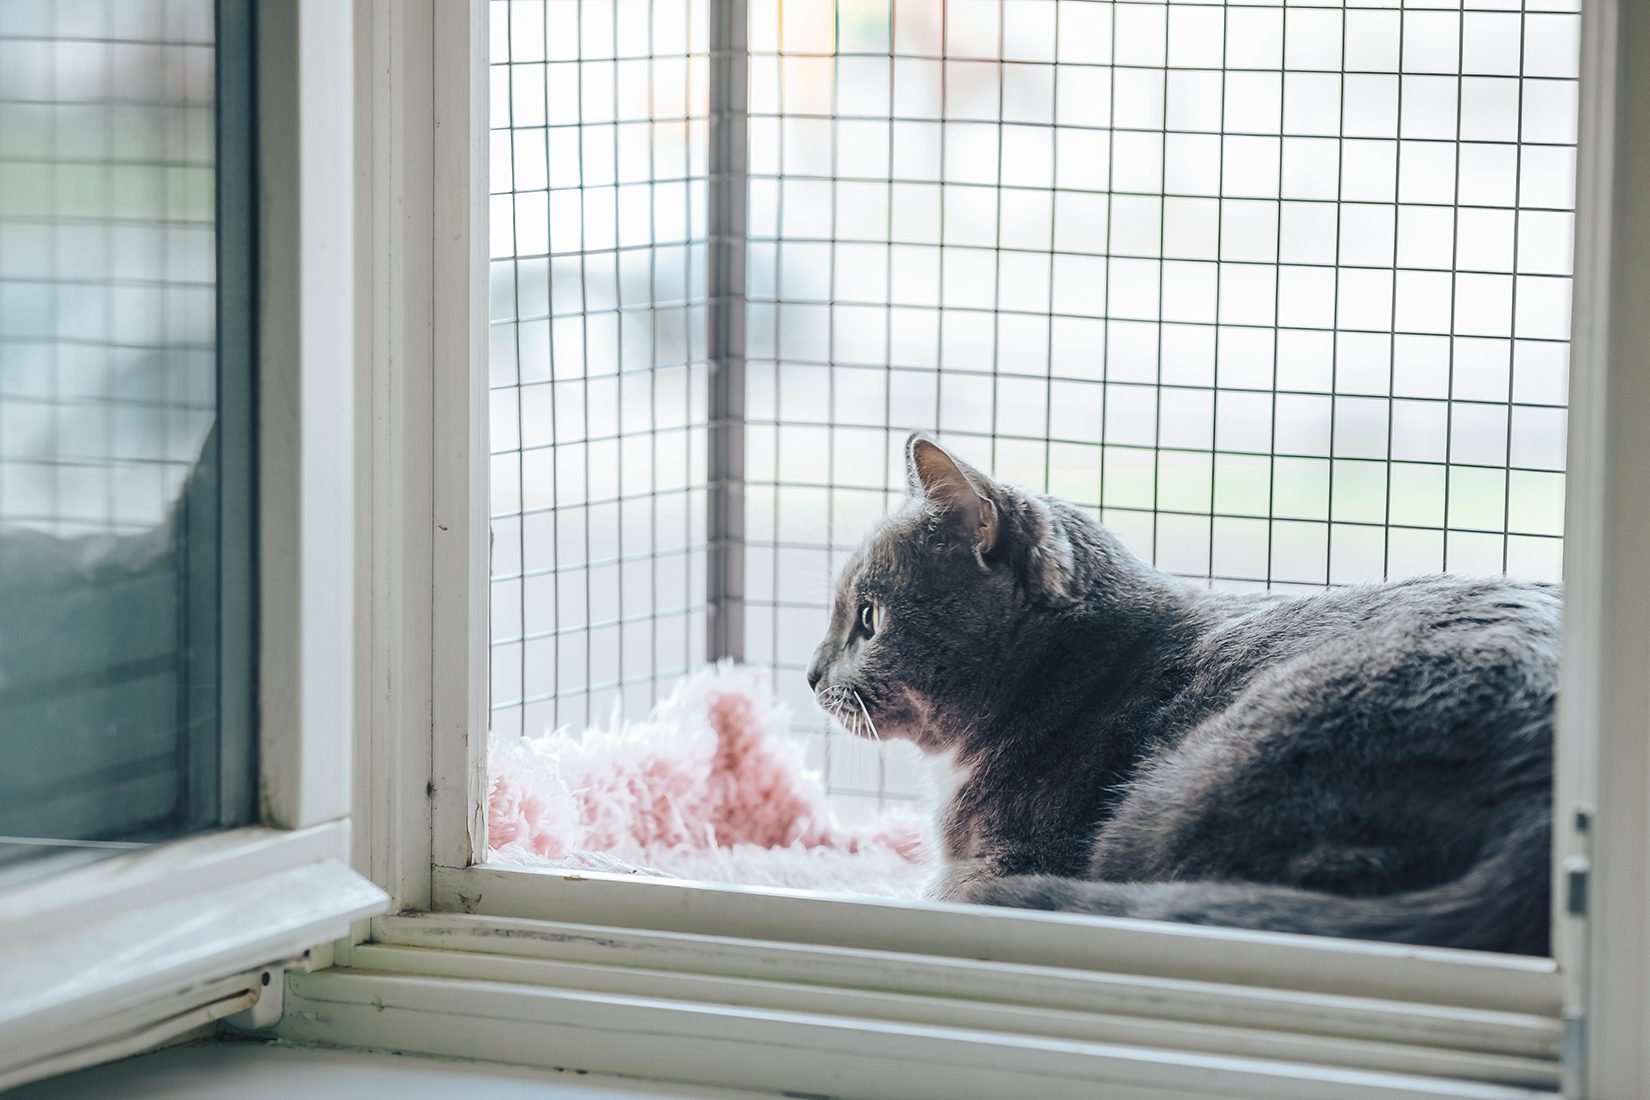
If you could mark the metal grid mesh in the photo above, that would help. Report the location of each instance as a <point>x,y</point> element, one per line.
<point>599,372</point>
<point>1279,293</point>
<point>107,269</point>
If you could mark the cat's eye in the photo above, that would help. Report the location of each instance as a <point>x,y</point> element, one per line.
<point>868,619</point>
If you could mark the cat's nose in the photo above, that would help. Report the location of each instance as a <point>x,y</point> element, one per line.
<point>817,668</point>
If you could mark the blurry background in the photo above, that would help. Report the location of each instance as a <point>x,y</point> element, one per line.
<point>1280,294</point>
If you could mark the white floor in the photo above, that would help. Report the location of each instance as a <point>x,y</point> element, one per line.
<point>267,1071</point>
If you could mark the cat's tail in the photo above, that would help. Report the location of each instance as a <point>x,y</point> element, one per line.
<point>1500,903</point>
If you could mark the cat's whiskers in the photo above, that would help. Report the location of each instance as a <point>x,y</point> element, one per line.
<point>870,725</point>
<point>848,708</point>
<point>830,701</point>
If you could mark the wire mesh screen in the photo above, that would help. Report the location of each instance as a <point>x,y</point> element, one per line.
<point>599,406</point>
<point>1280,293</point>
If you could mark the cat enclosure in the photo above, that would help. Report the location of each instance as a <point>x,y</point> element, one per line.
<point>1280,294</point>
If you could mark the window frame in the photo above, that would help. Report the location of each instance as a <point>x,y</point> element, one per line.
<point>421,777</point>
<point>122,954</point>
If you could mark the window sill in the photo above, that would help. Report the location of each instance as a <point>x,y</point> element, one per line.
<point>804,1016</point>
<point>1310,964</point>
<point>125,953</point>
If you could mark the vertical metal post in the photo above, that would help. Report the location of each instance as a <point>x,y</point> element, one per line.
<point>729,127</point>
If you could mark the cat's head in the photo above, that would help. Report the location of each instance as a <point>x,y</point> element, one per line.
<point>928,613</point>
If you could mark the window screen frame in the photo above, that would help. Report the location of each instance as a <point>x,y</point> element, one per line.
<point>422,784</point>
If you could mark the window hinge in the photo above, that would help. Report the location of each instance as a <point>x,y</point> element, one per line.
<point>1575,1054</point>
<point>265,1012</point>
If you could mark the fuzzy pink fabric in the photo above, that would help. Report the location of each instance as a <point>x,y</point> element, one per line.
<point>709,787</point>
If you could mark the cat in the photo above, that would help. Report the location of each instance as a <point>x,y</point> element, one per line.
<point>1371,762</point>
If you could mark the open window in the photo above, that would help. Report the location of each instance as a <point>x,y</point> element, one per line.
<point>1282,294</point>
<point>173,821</point>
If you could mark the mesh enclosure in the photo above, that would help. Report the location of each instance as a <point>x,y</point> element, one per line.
<point>1281,294</point>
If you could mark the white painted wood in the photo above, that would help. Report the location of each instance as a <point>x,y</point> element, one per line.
<point>306,387</point>
<point>704,1043</point>
<point>940,979</point>
<point>1467,979</point>
<point>396,426</point>
<point>458,673</point>
<point>88,1044</point>
<point>125,959</point>
<point>1133,1024</point>
<point>1604,697</point>
<point>116,949</point>
<point>150,876</point>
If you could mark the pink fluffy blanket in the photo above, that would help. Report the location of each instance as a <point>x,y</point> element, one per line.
<point>709,787</point>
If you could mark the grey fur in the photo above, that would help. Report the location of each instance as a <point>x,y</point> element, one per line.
<point>1372,762</point>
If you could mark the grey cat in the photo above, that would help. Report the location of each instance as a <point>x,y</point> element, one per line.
<point>1372,762</point>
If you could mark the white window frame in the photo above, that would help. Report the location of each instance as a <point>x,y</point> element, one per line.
<point>773,989</point>
<point>139,949</point>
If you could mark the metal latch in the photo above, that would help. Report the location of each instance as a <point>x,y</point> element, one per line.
<point>1577,871</point>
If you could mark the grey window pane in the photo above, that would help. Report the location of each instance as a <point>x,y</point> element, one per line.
<point>126,622</point>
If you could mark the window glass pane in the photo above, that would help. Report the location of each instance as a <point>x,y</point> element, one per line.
<point>125,381</point>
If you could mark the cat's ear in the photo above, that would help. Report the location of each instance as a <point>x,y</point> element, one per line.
<point>955,491</point>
